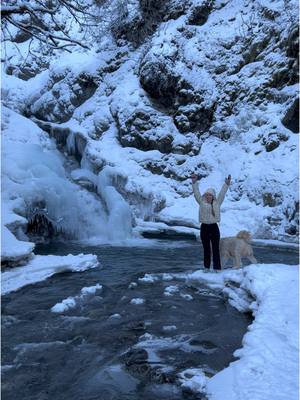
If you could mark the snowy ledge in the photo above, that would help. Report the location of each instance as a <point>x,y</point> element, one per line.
<point>42,267</point>
<point>275,244</point>
<point>268,361</point>
<point>160,230</point>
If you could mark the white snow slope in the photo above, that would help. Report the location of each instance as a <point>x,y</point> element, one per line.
<point>264,192</point>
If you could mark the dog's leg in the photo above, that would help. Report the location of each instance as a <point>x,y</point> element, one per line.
<point>237,261</point>
<point>252,259</point>
<point>224,260</point>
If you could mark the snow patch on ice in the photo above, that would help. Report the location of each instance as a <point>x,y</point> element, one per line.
<point>72,302</point>
<point>148,278</point>
<point>193,379</point>
<point>137,301</point>
<point>171,290</point>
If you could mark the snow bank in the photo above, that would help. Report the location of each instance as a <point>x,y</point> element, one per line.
<point>13,249</point>
<point>42,267</point>
<point>268,361</point>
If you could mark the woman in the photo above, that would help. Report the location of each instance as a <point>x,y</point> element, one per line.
<point>209,216</point>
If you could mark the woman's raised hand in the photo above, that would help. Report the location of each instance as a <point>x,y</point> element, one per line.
<point>228,180</point>
<point>194,178</point>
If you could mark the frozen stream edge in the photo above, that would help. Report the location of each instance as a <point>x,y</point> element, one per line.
<point>42,267</point>
<point>268,361</point>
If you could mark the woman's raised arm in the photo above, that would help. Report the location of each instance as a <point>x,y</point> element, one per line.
<point>197,194</point>
<point>224,189</point>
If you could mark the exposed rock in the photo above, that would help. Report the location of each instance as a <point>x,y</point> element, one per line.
<point>146,129</point>
<point>292,230</point>
<point>292,216</point>
<point>286,71</point>
<point>255,49</point>
<point>159,80</point>
<point>274,220</point>
<point>194,118</point>
<point>62,96</point>
<point>292,51</point>
<point>291,118</point>
<point>21,36</point>
<point>168,167</point>
<point>101,124</point>
<point>135,26</point>
<point>292,43</point>
<point>140,131</point>
<point>269,13</point>
<point>272,140</point>
<point>191,110</point>
<point>200,12</point>
<point>28,69</point>
<point>272,199</point>
<point>136,361</point>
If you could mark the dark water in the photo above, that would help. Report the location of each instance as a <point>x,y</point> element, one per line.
<point>88,352</point>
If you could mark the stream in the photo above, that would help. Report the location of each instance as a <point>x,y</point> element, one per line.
<point>127,339</point>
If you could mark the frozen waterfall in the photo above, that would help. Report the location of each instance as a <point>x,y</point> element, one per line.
<point>34,174</point>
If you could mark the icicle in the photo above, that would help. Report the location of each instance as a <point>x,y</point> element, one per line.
<point>120,217</point>
<point>71,144</point>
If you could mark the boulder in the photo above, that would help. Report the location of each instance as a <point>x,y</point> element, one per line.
<point>159,80</point>
<point>192,107</point>
<point>291,117</point>
<point>61,96</point>
<point>271,199</point>
<point>135,26</point>
<point>199,12</point>
<point>272,140</point>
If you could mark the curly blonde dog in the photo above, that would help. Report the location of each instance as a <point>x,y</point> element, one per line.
<point>236,247</point>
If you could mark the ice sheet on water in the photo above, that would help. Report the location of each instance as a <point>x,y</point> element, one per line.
<point>42,267</point>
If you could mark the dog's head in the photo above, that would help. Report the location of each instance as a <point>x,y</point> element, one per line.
<point>245,235</point>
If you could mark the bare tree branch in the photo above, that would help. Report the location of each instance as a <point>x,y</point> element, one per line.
<point>39,26</point>
<point>20,9</point>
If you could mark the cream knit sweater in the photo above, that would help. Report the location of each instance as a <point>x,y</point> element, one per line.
<point>205,209</point>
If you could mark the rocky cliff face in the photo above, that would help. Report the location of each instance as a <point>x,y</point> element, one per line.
<point>184,86</point>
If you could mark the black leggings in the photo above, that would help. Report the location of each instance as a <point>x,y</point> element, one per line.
<point>210,236</point>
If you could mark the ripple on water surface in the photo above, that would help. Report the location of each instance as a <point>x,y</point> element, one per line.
<point>129,338</point>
